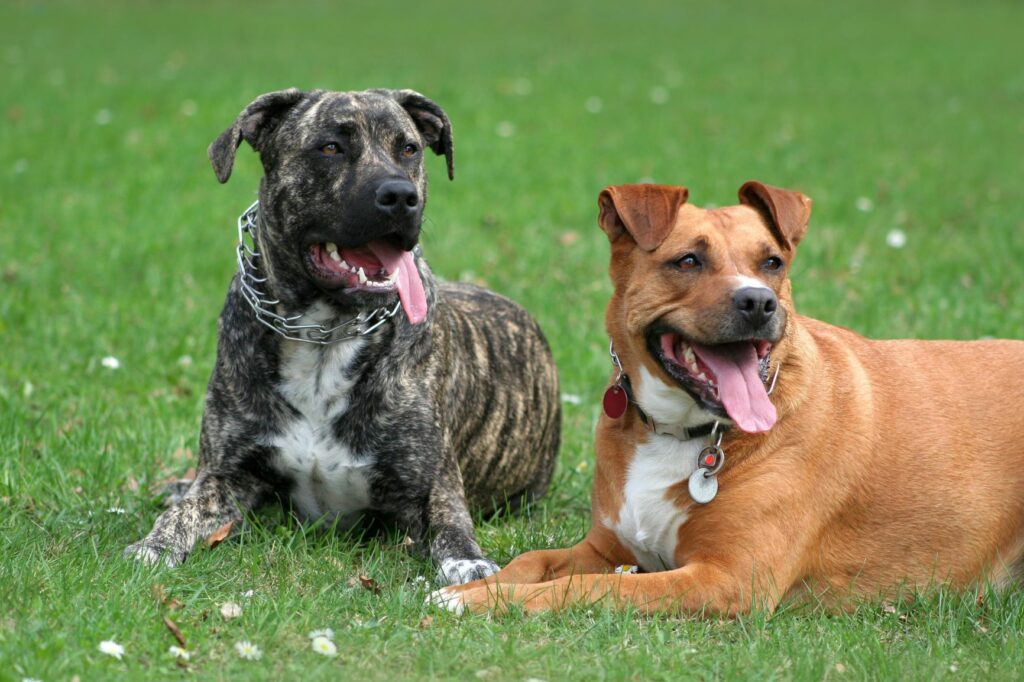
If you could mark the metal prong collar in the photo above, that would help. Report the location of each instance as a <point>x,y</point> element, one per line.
<point>289,326</point>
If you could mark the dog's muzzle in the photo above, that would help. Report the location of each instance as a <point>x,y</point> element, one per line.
<point>289,326</point>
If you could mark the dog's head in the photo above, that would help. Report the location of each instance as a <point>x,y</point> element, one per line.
<point>701,297</point>
<point>343,190</point>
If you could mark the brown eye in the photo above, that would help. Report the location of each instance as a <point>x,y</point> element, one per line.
<point>772,264</point>
<point>330,148</point>
<point>409,150</point>
<point>689,262</point>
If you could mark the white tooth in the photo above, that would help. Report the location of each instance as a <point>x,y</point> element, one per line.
<point>393,276</point>
<point>694,368</point>
<point>702,376</point>
<point>362,276</point>
<point>335,256</point>
<point>689,356</point>
<point>332,247</point>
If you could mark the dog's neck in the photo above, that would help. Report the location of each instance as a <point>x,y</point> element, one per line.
<point>677,430</point>
<point>308,317</point>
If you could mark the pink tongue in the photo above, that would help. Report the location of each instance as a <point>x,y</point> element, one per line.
<point>410,286</point>
<point>739,384</point>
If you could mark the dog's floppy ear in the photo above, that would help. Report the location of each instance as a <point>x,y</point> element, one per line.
<point>431,121</point>
<point>645,212</point>
<point>255,121</point>
<point>786,212</point>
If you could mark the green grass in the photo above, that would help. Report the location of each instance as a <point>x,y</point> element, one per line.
<point>115,239</point>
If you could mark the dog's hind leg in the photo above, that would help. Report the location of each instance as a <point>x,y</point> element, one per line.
<point>212,501</point>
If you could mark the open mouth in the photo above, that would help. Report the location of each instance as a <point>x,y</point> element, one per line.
<point>376,267</point>
<point>355,268</point>
<point>726,379</point>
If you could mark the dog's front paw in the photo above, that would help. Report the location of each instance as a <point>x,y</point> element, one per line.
<point>459,571</point>
<point>151,555</point>
<point>446,599</point>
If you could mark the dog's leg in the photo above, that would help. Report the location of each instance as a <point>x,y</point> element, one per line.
<point>453,545</point>
<point>212,501</point>
<point>695,588</point>
<point>549,564</point>
<point>545,565</point>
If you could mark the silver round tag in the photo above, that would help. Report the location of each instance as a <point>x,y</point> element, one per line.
<point>703,488</point>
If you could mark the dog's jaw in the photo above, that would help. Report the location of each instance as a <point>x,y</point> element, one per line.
<point>725,378</point>
<point>668,404</point>
<point>376,268</point>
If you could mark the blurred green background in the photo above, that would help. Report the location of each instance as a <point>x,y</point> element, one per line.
<point>903,121</point>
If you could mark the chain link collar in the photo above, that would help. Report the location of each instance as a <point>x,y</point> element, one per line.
<point>289,327</point>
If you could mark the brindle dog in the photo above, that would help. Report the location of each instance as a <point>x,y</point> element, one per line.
<point>348,382</point>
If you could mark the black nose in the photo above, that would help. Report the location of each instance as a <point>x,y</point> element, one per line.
<point>755,304</point>
<point>397,197</point>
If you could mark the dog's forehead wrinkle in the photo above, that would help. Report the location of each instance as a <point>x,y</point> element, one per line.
<point>312,110</point>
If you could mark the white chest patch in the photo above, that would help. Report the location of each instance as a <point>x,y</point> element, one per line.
<point>330,479</point>
<point>669,405</point>
<point>648,520</point>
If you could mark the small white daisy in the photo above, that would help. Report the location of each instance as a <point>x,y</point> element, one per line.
<point>30,679</point>
<point>248,651</point>
<point>324,646</point>
<point>627,569</point>
<point>505,129</point>
<point>178,652</point>
<point>594,105</point>
<point>896,239</point>
<point>326,633</point>
<point>230,610</point>
<point>110,362</point>
<point>864,204</point>
<point>117,510</point>
<point>103,117</point>
<point>112,648</point>
<point>571,398</point>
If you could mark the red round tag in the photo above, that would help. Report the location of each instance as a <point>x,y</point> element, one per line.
<point>615,401</point>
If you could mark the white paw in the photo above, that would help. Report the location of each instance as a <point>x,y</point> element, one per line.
<point>446,599</point>
<point>150,556</point>
<point>459,571</point>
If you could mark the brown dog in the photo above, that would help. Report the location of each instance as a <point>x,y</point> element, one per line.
<point>872,466</point>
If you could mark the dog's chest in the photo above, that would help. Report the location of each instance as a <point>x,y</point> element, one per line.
<point>330,479</point>
<point>649,520</point>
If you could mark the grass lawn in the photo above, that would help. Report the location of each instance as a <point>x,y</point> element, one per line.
<point>904,122</point>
